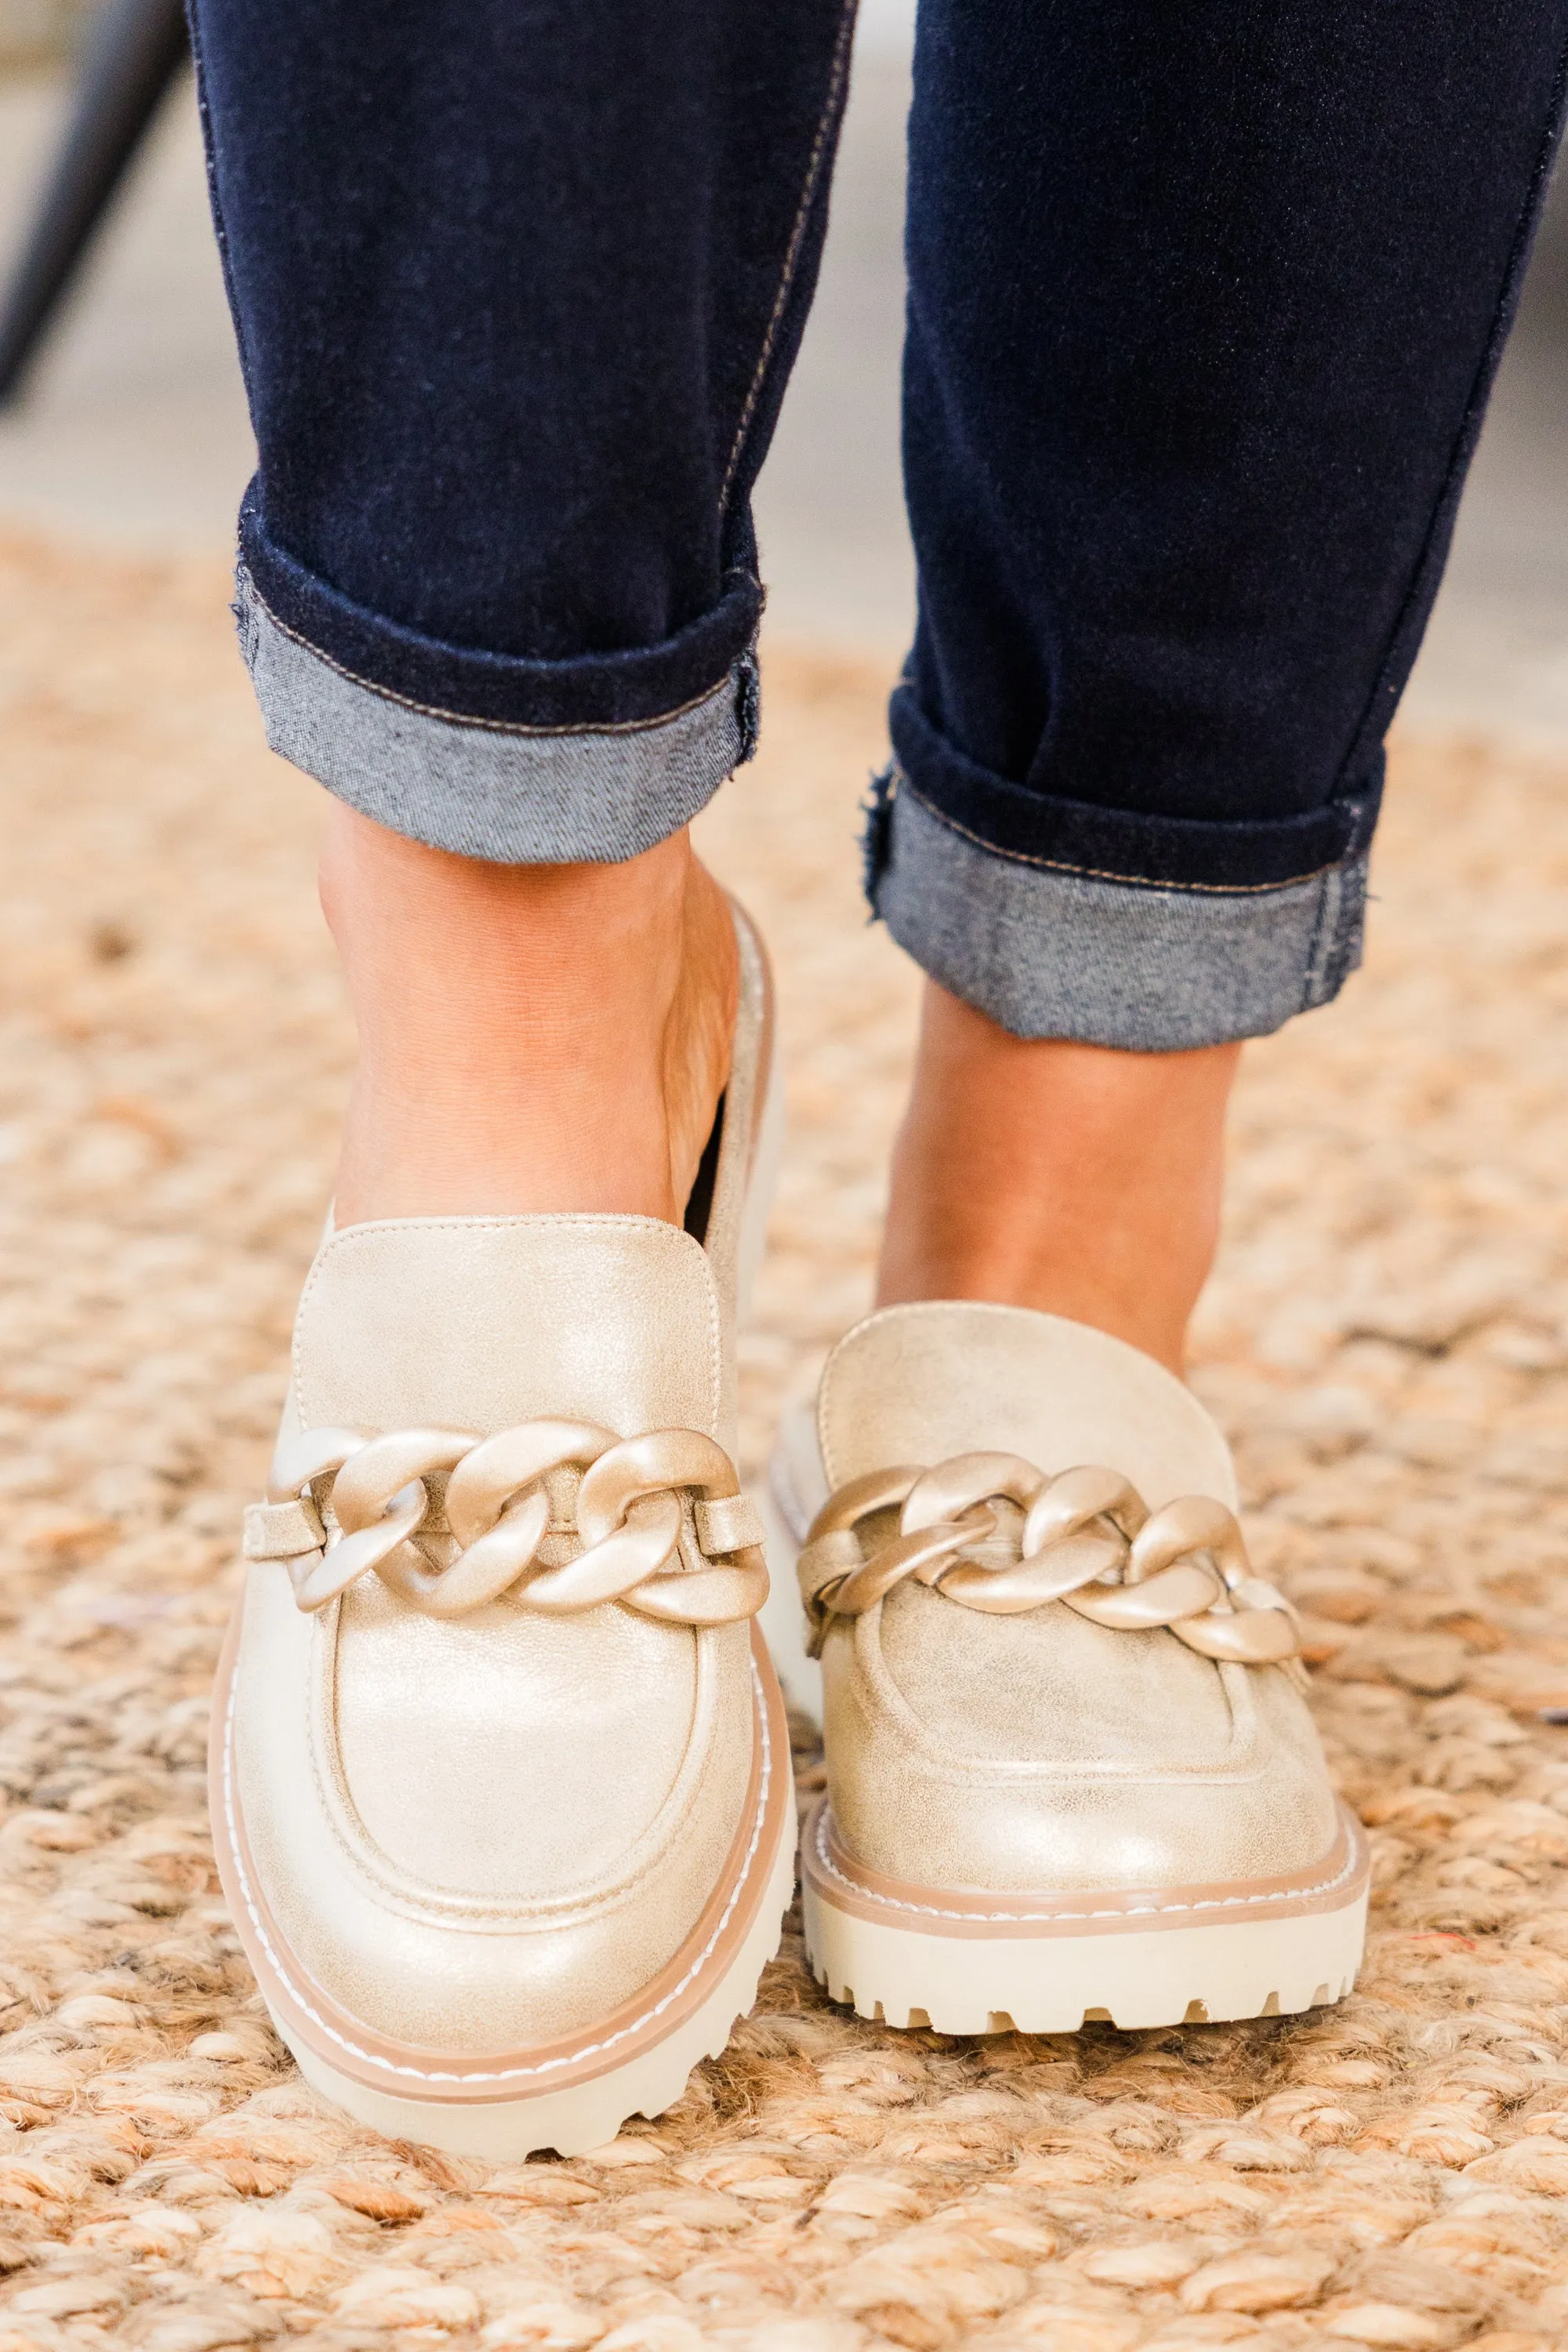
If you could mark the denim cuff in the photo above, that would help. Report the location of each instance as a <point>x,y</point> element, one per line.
<point>519,762</point>
<point>1049,952</point>
<point>1046,828</point>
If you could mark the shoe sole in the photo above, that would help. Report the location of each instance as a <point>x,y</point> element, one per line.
<point>966,1963</point>
<point>571,2095</point>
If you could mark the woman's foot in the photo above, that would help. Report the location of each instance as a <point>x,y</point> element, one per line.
<point>1070,1771</point>
<point>500,1778</point>
<point>531,1037</point>
<point>1070,1774</point>
<point>1075,1179</point>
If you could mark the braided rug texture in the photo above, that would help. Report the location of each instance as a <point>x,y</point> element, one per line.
<point>1387,1343</point>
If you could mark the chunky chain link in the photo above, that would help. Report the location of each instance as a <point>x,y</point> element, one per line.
<point>560,1515</point>
<point>994,1533</point>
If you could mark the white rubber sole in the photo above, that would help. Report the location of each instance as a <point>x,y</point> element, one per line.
<point>959,1979</point>
<point>585,2115</point>
<point>1170,1976</point>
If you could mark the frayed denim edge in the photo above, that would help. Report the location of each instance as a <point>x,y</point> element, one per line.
<point>1149,968</point>
<point>516,796</point>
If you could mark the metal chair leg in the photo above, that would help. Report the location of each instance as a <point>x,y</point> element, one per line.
<point>137,48</point>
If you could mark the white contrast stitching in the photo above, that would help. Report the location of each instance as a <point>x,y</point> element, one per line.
<point>837,79</point>
<point>1136,1911</point>
<point>505,2074</point>
<point>1126,881</point>
<point>466,718</point>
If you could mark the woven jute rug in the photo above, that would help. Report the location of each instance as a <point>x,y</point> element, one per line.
<point>1387,1340</point>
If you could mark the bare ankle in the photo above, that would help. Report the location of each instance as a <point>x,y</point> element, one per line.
<point>1069,1178</point>
<point>531,1038</point>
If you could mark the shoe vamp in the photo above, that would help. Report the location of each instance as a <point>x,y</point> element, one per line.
<point>1048,1687</point>
<point>508,1754</point>
<point>465,1970</point>
<point>1066,1758</point>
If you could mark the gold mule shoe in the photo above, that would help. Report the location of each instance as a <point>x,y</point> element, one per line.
<point>500,1774</point>
<point>1071,1774</point>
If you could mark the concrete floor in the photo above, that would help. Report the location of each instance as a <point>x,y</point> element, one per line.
<point>134,430</point>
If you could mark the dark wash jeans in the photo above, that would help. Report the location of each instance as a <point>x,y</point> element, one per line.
<point>1206,297</point>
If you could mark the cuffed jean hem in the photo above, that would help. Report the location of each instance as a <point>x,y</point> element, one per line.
<point>1044,827</point>
<point>1048,952</point>
<point>483,788</point>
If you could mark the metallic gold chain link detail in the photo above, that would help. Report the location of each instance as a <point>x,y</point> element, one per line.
<point>994,1533</point>
<point>340,1505</point>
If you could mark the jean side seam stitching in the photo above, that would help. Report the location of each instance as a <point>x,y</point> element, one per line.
<point>1349,927</point>
<point>1126,881</point>
<point>1469,432</point>
<point>792,252</point>
<point>1313,974</point>
<point>462,719</point>
<point>215,196</point>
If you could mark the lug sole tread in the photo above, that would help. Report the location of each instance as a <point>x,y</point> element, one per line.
<point>577,2120</point>
<point>1158,1977</point>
